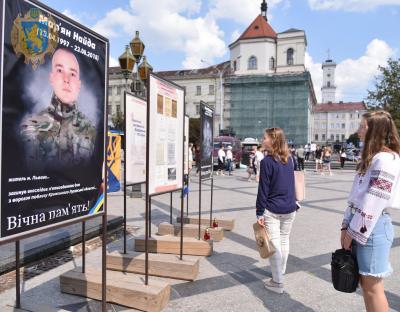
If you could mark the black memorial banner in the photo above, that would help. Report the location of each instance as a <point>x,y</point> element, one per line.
<point>206,135</point>
<point>53,99</point>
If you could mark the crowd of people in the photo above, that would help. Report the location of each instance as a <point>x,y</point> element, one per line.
<point>366,230</point>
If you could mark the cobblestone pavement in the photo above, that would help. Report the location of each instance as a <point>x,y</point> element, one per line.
<point>232,278</point>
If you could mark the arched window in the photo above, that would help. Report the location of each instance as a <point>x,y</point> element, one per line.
<point>252,62</point>
<point>289,56</point>
<point>272,63</point>
<point>329,84</point>
<point>234,66</point>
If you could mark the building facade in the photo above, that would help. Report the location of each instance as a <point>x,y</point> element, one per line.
<point>328,82</point>
<point>335,122</point>
<point>264,84</point>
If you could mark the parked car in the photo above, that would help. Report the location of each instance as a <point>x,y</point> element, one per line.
<point>226,141</point>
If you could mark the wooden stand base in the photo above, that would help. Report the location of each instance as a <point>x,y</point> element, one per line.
<point>190,230</point>
<point>227,224</point>
<point>171,245</point>
<point>122,288</point>
<point>163,265</point>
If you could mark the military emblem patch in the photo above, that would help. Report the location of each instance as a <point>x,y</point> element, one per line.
<point>34,36</point>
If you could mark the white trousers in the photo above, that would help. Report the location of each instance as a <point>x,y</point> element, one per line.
<point>278,228</point>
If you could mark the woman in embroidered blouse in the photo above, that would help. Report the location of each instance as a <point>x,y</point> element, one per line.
<point>367,228</point>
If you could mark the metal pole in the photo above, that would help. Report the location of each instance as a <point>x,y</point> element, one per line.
<point>146,239</point>
<point>211,206</point>
<point>181,244</point>
<point>200,197</point>
<point>83,247</point>
<point>221,121</point>
<point>170,209</point>
<point>125,169</point>
<point>104,259</point>
<point>149,225</point>
<point>18,277</point>
<point>187,199</point>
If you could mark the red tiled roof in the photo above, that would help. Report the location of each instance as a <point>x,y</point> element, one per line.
<point>259,28</point>
<point>336,107</point>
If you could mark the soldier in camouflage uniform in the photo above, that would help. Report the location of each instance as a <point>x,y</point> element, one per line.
<point>60,133</point>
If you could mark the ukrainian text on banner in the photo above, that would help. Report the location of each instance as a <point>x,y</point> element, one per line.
<point>166,101</point>
<point>114,162</point>
<point>135,139</point>
<point>206,135</point>
<point>54,78</point>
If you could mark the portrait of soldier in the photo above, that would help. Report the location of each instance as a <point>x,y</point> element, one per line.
<point>60,133</point>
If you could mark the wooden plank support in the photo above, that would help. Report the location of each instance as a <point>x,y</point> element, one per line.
<point>125,289</point>
<point>163,265</point>
<point>190,230</point>
<point>227,224</point>
<point>171,245</point>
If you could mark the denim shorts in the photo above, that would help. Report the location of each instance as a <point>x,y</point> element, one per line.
<point>373,257</point>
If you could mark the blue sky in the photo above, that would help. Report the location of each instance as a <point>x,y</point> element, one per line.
<point>360,34</point>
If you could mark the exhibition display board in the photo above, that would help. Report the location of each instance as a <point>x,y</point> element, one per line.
<point>135,139</point>
<point>166,132</point>
<point>206,141</point>
<point>53,99</point>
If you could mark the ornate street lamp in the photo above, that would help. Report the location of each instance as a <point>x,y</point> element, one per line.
<point>144,70</point>
<point>137,47</point>
<point>127,62</point>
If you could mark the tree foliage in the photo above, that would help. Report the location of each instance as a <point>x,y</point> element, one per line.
<point>387,90</point>
<point>355,139</point>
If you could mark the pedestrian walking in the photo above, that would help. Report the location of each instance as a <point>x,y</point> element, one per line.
<point>190,157</point>
<point>318,159</point>
<point>276,205</point>
<point>258,157</point>
<point>342,158</point>
<point>307,149</point>
<point>229,159</point>
<point>326,160</point>
<point>300,153</point>
<point>250,168</point>
<point>221,160</point>
<point>197,158</point>
<point>367,227</point>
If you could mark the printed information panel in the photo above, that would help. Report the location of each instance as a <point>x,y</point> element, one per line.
<point>206,135</point>
<point>166,132</point>
<point>186,156</point>
<point>53,93</point>
<point>135,139</point>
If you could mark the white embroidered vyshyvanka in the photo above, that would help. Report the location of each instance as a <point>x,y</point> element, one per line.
<point>376,190</point>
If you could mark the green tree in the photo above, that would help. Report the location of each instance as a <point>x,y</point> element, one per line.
<point>118,121</point>
<point>387,90</point>
<point>355,139</point>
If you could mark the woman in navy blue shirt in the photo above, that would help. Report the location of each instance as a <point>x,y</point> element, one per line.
<point>276,204</point>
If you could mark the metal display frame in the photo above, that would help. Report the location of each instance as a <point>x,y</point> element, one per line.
<point>202,106</point>
<point>16,238</point>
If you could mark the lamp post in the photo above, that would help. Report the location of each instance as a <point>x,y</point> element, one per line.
<point>221,106</point>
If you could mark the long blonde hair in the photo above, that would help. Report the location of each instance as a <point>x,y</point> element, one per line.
<point>279,148</point>
<point>381,136</point>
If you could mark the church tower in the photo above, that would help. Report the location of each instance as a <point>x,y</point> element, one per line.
<point>328,83</point>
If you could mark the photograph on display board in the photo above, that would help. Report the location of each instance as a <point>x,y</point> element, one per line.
<point>53,115</point>
<point>166,133</point>
<point>135,138</point>
<point>207,121</point>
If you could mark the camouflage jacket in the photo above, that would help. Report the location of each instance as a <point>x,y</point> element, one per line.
<point>60,133</point>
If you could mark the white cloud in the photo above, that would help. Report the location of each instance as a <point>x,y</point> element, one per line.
<point>168,25</point>
<point>353,76</point>
<point>241,11</point>
<point>117,22</point>
<point>235,35</point>
<point>71,15</point>
<point>113,61</point>
<point>316,74</point>
<point>350,5</point>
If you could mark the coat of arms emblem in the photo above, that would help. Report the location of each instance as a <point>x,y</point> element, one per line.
<point>34,35</point>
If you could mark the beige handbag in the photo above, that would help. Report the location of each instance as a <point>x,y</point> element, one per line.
<point>264,244</point>
<point>299,185</point>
